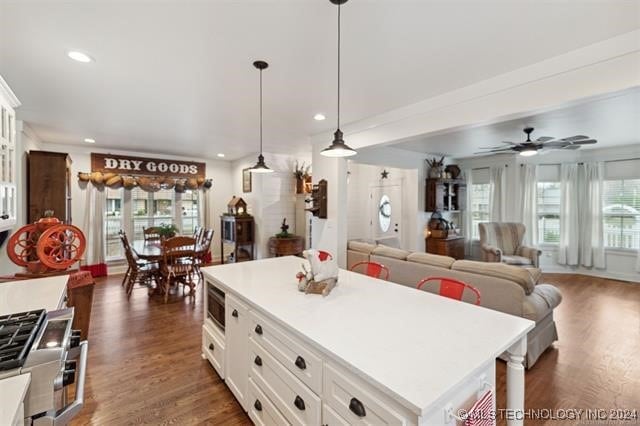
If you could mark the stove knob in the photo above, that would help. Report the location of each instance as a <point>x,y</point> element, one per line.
<point>68,377</point>
<point>74,341</point>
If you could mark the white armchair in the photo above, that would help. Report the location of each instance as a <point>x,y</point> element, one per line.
<point>502,242</point>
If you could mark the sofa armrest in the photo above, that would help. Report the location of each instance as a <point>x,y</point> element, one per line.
<point>491,253</point>
<point>530,253</point>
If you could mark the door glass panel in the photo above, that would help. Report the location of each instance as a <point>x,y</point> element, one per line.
<point>384,213</point>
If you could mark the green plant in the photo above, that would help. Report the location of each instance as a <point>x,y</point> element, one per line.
<point>167,230</point>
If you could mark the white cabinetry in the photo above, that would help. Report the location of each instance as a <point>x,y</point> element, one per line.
<point>8,194</point>
<point>237,337</point>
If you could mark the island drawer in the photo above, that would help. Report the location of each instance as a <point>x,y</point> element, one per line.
<point>359,403</point>
<point>213,350</point>
<point>261,410</point>
<point>297,357</point>
<point>331,418</point>
<point>298,403</point>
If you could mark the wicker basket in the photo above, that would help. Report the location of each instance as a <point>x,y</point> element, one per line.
<point>439,233</point>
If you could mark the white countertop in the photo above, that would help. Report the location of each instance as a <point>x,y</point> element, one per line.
<point>414,345</point>
<point>12,393</point>
<point>25,295</point>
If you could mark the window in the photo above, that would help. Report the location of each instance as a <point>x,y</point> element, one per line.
<point>621,213</point>
<point>479,207</point>
<point>151,209</point>
<point>548,212</point>
<point>113,223</point>
<point>189,209</point>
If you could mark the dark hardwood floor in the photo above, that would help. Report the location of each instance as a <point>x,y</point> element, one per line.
<point>145,365</point>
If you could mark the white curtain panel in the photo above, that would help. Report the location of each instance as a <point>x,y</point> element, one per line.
<point>591,233</point>
<point>529,204</point>
<point>206,210</point>
<point>638,262</point>
<point>569,247</point>
<point>497,194</point>
<point>467,217</point>
<point>95,203</point>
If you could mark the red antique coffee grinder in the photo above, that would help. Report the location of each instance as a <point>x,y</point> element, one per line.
<point>46,246</point>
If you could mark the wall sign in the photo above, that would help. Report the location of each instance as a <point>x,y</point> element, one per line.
<point>135,166</point>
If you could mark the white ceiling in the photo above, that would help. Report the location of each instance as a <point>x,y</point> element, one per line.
<point>175,76</point>
<point>613,120</point>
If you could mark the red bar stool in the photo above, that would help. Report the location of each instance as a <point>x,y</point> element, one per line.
<point>450,288</point>
<point>373,269</point>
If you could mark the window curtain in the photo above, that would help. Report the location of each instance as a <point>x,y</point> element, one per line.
<point>206,217</point>
<point>467,215</point>
<point>591,233</point>
<point>638,262</point>
<point>529,202</point>
<point>95,204</point>
<point>497,194</point>
<point>569,247</point>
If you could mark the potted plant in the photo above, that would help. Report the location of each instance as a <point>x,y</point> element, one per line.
<point>167,231</point>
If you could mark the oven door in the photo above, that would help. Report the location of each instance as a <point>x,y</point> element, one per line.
<point>215,305</point>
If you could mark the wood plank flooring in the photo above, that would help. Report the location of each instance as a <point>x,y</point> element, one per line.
<point>145,365</point>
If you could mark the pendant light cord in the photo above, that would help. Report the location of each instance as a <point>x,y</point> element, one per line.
<point>338,68</point>
<point>260,112</point>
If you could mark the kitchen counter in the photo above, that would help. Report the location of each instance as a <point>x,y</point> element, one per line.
<point>413,346</point>
<point>41,293</point>
<point>12,393</point>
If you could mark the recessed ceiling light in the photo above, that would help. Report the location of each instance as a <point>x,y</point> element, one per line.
<point>79,56</point>
<point>89,140</point>
<point>319,117</point>
<point>221,155</point>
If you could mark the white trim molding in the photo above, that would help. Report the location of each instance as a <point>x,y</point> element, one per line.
<point>7,93</point>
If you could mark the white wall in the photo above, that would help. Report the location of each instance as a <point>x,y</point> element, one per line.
<point>272,198</point>
<point>359,206</point>
<point>620,264</point>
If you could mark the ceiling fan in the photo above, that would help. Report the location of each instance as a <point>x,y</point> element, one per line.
<point>529,147</point>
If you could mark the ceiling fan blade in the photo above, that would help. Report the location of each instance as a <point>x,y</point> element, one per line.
<point>545,139</point>
<point>556,144</point>
<point>510,143</point>
<point>572,147</point>
<point>490,147</point>
<point>575,138</point>
<point>584,142</point>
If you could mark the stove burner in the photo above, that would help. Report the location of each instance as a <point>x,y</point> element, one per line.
<point>17,333</point>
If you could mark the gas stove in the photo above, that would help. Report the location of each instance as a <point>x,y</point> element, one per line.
<point>44,345</point>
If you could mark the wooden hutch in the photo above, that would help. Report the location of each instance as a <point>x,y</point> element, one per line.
<point>446,196</point>
<point>48,185</point>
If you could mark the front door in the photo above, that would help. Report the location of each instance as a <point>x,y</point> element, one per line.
<point>385,207</point>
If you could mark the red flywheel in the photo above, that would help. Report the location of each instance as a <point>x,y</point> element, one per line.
<point>61,246</point>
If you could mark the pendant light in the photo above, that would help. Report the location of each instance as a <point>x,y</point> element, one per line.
<point>260,166</point>
<point>338,148</point>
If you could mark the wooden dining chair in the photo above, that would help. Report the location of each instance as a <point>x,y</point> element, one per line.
<point>138,271</point>
<point>151,234</point>
<point>198,233</point>
<point>371,269</point>
<point>178,264</point>
<point>451,288</point>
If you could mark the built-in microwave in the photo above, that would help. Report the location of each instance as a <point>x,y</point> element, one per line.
<point>215,305</point>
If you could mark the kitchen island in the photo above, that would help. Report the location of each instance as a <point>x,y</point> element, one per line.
<point>371,352</point>
<point>38,293</point>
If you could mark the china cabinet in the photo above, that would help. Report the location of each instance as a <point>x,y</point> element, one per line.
<point>8,191</point>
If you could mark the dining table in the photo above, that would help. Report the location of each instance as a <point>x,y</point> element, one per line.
<point>151,251</point>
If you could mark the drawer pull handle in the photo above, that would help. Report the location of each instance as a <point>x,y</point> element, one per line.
<point>357,408</point>
<point>299,403</point>
<point>300,363</point>
<point>258,361</point>
<point>257,405</point>
<point>234,313</point>
<point>210,346</point>
<point>258,329</point>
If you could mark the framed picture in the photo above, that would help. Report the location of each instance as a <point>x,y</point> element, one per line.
<point>246,180</point>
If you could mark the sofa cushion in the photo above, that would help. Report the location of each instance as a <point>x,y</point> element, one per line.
<point>521,276</point>
<point>394,253</point>
<point>361,246</point>
<point>431,259</point>
<point>544,299</point>
<point>389,242</point>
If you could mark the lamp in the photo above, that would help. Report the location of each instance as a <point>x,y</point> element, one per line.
<point>260,166</point>
<point>338,147</point>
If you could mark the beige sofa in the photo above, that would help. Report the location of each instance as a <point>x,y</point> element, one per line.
<point>505,288</point>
